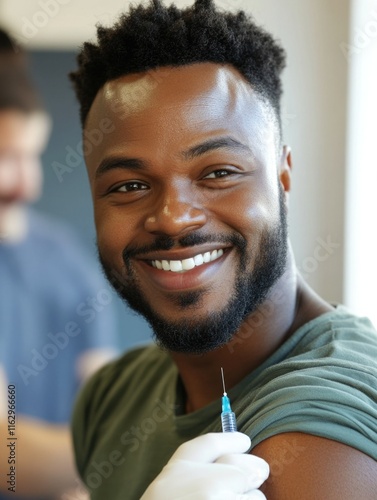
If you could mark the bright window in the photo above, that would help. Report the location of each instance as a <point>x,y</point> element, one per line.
<point>361,195</point>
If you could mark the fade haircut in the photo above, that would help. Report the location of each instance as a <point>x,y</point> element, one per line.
<point>154,36</point>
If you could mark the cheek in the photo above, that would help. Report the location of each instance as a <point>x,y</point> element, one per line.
<point>250,209</point>
<point>115,231</point>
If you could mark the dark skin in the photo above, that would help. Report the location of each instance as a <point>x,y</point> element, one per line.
<point>155,188</point>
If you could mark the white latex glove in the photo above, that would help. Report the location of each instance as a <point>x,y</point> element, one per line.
<point>211,467</point>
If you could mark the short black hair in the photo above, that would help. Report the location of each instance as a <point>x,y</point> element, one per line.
<point>154,36</point>
<point>17,91</point>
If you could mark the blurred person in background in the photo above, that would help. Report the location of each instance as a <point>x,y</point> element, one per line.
<point>53,331</point>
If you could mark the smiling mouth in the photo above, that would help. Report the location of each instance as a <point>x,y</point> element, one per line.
<point>181,266</point>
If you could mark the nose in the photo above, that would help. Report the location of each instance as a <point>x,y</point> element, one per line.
<point>175,212</point>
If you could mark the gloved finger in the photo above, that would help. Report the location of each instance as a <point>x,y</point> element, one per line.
<point>210,479</point>
<point>254,467</point>
<point>229,495</point>
<point>253,495</point>
<point>209,447</point>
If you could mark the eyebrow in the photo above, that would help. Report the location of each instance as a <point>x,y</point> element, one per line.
<point>190,154</point>
<point>120,162</point>
<point>214,144</point>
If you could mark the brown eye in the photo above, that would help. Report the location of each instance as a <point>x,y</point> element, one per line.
<point>130,186</point>
<point>216,174</point>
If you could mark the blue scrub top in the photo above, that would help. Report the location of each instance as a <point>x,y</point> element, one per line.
<point>48,318</point>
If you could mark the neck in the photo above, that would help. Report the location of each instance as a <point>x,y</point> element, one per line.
<point>289,305</point>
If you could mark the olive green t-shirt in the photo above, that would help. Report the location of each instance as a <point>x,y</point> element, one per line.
<point>128,419</point>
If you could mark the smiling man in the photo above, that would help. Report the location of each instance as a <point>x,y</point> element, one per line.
<point>190,190</point>
<point>206,225</point>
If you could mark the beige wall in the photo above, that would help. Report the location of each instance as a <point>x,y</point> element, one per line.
<point>314,106</point>
<point>315,127</point>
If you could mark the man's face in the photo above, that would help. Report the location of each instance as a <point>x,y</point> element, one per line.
<point>22,140</point>
<point>189,209</point>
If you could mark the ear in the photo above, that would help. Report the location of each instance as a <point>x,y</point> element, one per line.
<point>285,169</point>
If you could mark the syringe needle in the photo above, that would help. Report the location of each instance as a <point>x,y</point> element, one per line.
<point>228,418</point>
<point>222,376</point>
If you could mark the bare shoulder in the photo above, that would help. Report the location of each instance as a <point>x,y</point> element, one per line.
<point>305,467</point>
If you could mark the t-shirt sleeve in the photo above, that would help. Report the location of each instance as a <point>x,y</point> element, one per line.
<point>331,395</point>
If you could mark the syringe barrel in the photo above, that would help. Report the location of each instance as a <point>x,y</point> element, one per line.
<point>228,421</point>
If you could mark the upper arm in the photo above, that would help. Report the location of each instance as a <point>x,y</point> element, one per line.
<point>306,467</point>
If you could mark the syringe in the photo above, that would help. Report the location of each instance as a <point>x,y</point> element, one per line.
<point>228,418</point>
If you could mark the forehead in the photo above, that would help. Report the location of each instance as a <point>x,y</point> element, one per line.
<point>176,104</point>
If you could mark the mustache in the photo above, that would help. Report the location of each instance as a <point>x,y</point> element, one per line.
<point>167,243</point>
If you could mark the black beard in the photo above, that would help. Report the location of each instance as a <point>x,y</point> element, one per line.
<point>250,290</point>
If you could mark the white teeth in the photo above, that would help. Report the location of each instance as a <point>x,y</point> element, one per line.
<point>177,266</point>
<point>198,260</point>
<point>188,264</point>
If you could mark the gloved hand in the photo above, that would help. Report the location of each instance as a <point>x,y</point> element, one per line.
<point>211,467</point>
